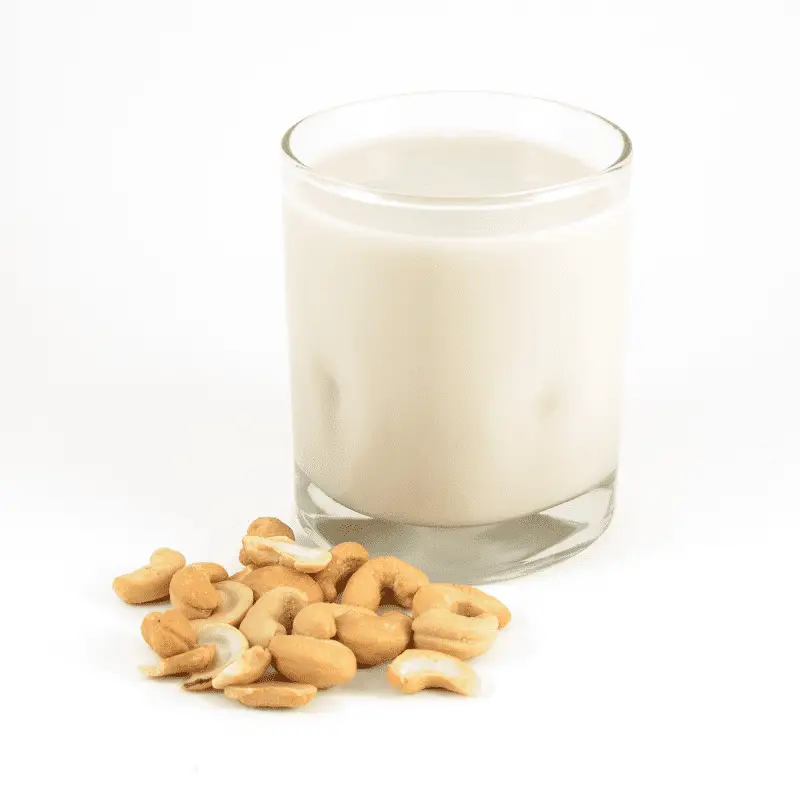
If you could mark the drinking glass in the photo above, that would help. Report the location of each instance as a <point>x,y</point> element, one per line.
<point>455,270</point>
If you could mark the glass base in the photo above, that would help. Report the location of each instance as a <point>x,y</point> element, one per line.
<point>473,555</point>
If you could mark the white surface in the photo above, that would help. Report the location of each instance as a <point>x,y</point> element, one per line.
<point>144,399</point>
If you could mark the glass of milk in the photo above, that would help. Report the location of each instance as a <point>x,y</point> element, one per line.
<point>456,267</point>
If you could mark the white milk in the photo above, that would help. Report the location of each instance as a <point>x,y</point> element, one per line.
<point>454,367</point>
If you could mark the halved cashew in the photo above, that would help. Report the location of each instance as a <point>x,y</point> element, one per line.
<point>263,579</point>
<point>169,634</point>
<point>346,558</point>
<point>321,662</point>
<point>319,619</point>
<point>279,550</point>
<point>150,583</point>
<point>466,601</point>
<point>416,670</point>
<point>385,574</point>
<point>247,669</point>
<point>192,591</point>
<point>447,632</point>
<point>230,646</point>
<point>190,661</point>
<point>266,527</point>
<point>273,694</point>
<point>273,613</point>
<point>235,600</point>
<point>374,640</point>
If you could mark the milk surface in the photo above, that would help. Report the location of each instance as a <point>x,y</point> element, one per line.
<point>454,366</point>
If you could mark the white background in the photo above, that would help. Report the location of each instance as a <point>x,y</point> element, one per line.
<point>143,398</point>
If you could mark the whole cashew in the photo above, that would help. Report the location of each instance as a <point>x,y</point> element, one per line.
<point>346,558</point>
<point>415,670</point>
<point>320,662</point>
<point>263,579</point>
<point>150,583</point>
<point>467,601</point>
<point>374,640</point>
<point>383,574</point>
<point>266,527</point>
<point>169,634</point>
<point>192,591</point>
<point>273,613</point>
<point>319,619</point>
<point>447,632</point>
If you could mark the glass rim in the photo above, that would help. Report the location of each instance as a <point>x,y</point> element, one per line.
<point>369,194</point>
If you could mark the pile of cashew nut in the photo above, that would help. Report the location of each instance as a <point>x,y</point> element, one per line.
<point>273,633</point>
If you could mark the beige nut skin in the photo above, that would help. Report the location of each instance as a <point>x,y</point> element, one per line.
<point>380,576</point>
<point>274,612</point>
<point>467,601</point>
<point>244,571</point>
<point>374,640</point>
<point>266,527</point>
<point>150,583</point>
<point>263,579</point>
<point>214,572</point>
<point>182,664</point>
<point>320,662</point>
<point>447,632</point>
<point>415,670</point>
<point>346,558</point>
<point>272,694</point>
<point>319,619</point>
<point>192,591</point>
<point>169,634</point>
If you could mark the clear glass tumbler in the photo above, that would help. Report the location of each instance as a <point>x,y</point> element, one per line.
<point>456,268</point>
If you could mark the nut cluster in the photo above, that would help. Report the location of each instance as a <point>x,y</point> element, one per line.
<point>272,634</point>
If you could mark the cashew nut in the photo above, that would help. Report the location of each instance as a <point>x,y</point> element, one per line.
<point>346,558</point>
<point>191,661</point>
<point>415,670</point>
<point>273,613</point>
<point>320,662</point>
<point>247,669</point>
<point>272,694</point>
<point>280,550</point>
<point>150,583</point>
<point>382,575</point>
<point>463,637</point>
<point>266,527</point>
<point>169,634</point>
<point>215,572</point>
<point>242,572</point>
<point>374,640</point>
<point>230,646</point>
<point>466,601</point>
<point>263,579</point>
<point>235,600</point>
<point>191,591</point>
<point>319,619</point>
